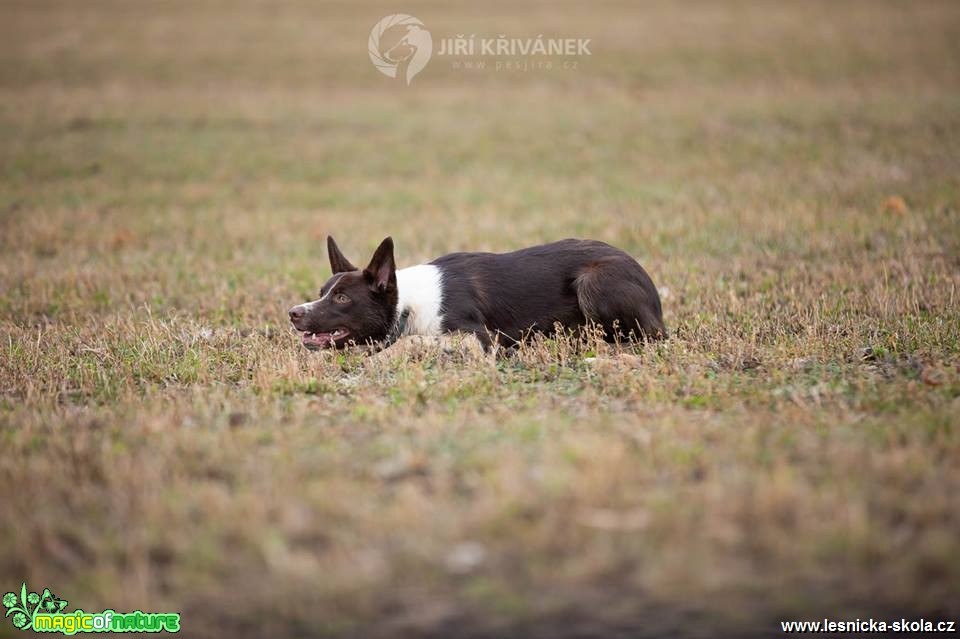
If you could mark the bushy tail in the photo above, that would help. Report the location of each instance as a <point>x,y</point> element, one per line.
<point>616,293</point>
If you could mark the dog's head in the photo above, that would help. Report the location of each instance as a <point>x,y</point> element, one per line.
<point>354,306</point>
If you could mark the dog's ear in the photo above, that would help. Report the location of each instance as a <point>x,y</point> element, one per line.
<point>338,263</point>
<point>382,272</point>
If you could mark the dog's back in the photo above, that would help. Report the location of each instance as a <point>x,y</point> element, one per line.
<point>533,289</point>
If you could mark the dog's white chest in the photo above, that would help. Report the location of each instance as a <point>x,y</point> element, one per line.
<point>420,294</point>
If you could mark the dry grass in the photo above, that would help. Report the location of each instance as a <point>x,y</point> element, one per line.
<point>787,172</point>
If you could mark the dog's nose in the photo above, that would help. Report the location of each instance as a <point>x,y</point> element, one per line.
<point>296,313</point>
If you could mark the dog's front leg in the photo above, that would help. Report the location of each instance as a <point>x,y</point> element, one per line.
<point>407,348</point>
<point>461,346</point>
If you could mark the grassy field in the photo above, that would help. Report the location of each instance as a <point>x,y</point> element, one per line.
<point>786,172</point>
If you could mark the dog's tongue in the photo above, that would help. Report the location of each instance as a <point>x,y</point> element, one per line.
<point>317,340</point>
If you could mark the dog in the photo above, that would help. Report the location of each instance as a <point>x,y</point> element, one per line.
<point>501,298</point>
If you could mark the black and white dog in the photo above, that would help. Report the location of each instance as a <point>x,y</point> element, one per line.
<point>502,297</point>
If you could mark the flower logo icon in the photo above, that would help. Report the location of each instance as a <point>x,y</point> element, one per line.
<point>25,607</point>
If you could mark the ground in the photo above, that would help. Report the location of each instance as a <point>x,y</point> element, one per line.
<point>787,174</point>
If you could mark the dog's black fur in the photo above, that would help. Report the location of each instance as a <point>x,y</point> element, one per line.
<point>496,296</point>
<point>534,289</point>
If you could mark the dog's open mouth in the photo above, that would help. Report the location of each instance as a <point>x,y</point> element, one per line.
<point>315,341</point>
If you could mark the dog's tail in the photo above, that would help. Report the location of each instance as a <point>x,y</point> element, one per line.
<point>616,293</point>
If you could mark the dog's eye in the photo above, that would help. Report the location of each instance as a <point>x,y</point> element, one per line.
<point>340,298</point>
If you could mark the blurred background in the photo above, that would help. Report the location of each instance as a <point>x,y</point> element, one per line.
<point>700,114</point>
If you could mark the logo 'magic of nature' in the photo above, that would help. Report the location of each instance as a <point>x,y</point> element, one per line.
<point>400,46</point>
<point>43,612</point>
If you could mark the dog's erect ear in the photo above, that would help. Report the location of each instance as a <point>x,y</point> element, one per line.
<point>338,263</point>
<point>382,272</point>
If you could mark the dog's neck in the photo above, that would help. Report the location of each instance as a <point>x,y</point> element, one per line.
<point>399,328</point>
<point>419,299</point>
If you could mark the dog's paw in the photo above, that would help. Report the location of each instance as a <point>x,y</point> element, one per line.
<point>457,348</point>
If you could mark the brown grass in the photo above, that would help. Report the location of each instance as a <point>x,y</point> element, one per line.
<point>786,172</point>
